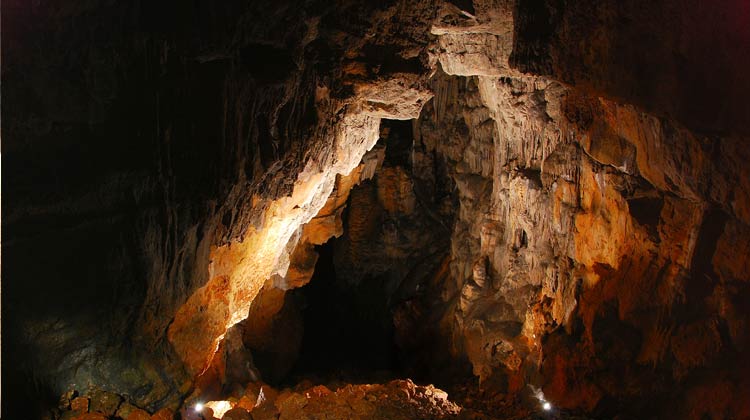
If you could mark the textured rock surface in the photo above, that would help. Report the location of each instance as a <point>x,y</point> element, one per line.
<point>679,58</point>
<point>392,400</point>
<point>573,213</point>
<point>223,140</point>
<point>589,240</point>
<point>395,400</point>
<point>574,241</point>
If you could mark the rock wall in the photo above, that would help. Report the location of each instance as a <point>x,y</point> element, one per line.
<point>388,233</point>
<point>169,153</point>
<point>577,270</point>
<point>683,59</point>
<point>587,250</point>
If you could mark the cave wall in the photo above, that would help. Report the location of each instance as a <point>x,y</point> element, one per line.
<point>162,156</point>
<point>683,59</point>
<point>577,271</point>
<point>161,160</point>
<point>588,249</point>
<point>386,228</point>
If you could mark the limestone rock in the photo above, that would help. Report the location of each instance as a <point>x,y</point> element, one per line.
<point>138,414</point>
<point>237,413</point>
<point>124,410</point>
<point>394,400</point>
<point>104,402</point>
<point>163,414</point>
<point>91,416</point>
<point>80,404</point>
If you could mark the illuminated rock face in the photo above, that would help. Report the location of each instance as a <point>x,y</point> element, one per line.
<point>197,159</point>
<point>171,188</point>
<point>589,242</point>
<point>568,257</point>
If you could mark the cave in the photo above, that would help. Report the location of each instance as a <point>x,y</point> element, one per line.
<point>353,307</point>
<point>354,317</point>
<point>348,332</point>
<point>434,209</point>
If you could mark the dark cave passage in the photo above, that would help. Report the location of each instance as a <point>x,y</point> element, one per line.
<point>347,311</point>
<point>400,140</point>
<point>360,316</point>
<point>348,329</point>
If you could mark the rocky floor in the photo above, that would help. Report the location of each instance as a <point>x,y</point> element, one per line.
<point>394,400</point>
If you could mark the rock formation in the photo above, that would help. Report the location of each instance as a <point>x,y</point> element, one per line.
<point>549,197</point>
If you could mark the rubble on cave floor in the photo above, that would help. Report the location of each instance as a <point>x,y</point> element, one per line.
<point>399,399</point>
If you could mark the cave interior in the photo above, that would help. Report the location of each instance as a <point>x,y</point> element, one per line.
<point>433,209</point>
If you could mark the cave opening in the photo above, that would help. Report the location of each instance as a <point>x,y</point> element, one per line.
<point>347,329</point>
<point>367,312</point>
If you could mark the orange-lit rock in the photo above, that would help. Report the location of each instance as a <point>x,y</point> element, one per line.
<point>124,410</point>
<point>91,416</point>
<point>237,413</point>
<point>80,404</point>
<point>104,402</point>
<point>394,400</point>
<point>567,212</point>
<point>163,414</point>
<point>247,402</point>
<point>591,206</point>
<point>238,270</point>
<point>138,414</point>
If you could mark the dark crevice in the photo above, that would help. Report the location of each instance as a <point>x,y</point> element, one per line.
<point>647,211</point>
<point>266,63</point>
<point>465,5</point>
<point>398,142</point>
<point>701,281</point>
<point>387,60</point>
<point>364,313</point>
<point>348,329</point>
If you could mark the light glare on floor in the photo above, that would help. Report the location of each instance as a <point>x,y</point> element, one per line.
<point>219,408</point>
